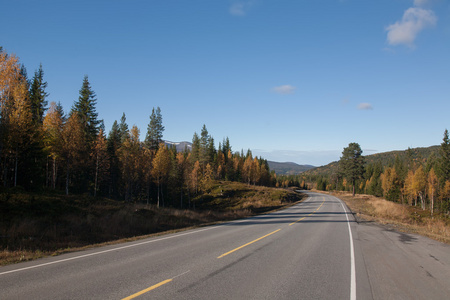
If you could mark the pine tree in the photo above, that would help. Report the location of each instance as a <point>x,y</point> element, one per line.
<point>155,130</point>
<point>352,163</point>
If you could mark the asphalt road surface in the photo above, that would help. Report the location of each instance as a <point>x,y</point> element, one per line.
<point>313,250</point>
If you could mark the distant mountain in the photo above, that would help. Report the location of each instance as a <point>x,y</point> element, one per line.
<point>284,168</point>
<point>181,146</point>
<point>288,168</point>
<point>385,159</point>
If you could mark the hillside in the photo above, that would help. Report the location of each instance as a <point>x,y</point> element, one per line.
<point>385,158</point>
<point>288,168</point>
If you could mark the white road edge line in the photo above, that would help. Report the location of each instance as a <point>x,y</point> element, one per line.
<point>352,258</point>
<point>106,251</point>
<point>123,247</point>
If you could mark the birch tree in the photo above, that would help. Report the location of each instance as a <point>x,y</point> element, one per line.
<point>433,184</point>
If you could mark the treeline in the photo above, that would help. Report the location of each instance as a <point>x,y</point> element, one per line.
<point>41,146</point>
<point>410,178</point>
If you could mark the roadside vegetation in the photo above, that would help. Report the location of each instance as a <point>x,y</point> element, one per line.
<point>402,217</point>
<point>36,225</point>
<point>65,182</point>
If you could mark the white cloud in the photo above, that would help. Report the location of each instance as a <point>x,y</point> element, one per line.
<point>414,20</point>
<point>365,106</point>
<point>237,9</point>
<point>240,8</point>
<point>421,2</point>
<point>284,89</point>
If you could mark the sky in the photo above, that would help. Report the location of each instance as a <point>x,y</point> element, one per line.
<point>291,80</point>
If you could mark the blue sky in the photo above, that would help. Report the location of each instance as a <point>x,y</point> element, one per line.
<point>292,80</point>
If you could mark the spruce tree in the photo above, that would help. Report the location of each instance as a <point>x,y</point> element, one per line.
<point>85,108</point>
<point>113,144</point>
<point>154,130</point>
<point>123,129</point>
<point>38,96</point>
<point>204,142</point>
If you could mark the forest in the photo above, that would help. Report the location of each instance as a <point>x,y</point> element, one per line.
<point>417,177</point>
<point>44,148</point>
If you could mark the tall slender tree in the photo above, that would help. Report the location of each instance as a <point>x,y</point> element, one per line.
<point>53,128</point>
<point>352,163</point>
<point>161,168</point>
<point>444,165</point>
<point>86,111</point>
<point>123,129</point>
<point>101,159</point>
<point>38,96</point>
<point>155,130</point>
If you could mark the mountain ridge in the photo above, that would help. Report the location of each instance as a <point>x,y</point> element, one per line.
<point>280,168</point>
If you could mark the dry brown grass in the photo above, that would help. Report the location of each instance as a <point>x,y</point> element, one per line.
<point>78,225</point>
<point>403,217</point>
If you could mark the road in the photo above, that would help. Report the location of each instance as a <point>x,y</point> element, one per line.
<point>312,250</point>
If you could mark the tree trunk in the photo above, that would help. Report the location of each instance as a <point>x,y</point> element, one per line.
<point>46,173</point>
<point>54,173</point>
<point>353,188</point>
<point>157,203</point>
<point>432,203</point>
<point>96,178</point>
<point>15,169</point>
<point>67,180</point>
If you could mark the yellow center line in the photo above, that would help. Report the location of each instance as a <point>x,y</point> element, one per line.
<point>309,214</point>
<point>148,289</point>
<point>258,239</point>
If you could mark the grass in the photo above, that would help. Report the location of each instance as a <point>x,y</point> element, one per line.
<point>402,217</point>
<point>33,226</point>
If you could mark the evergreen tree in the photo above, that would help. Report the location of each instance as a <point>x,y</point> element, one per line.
<point>113,144</point>
<point>204,142</point>
<point>352,163</point>
<point>195,148</point>
<point>38,96</point>
<point>123,129</point>
<point>154,130</point>
<point>86,111</point>
<point>444,165</point>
